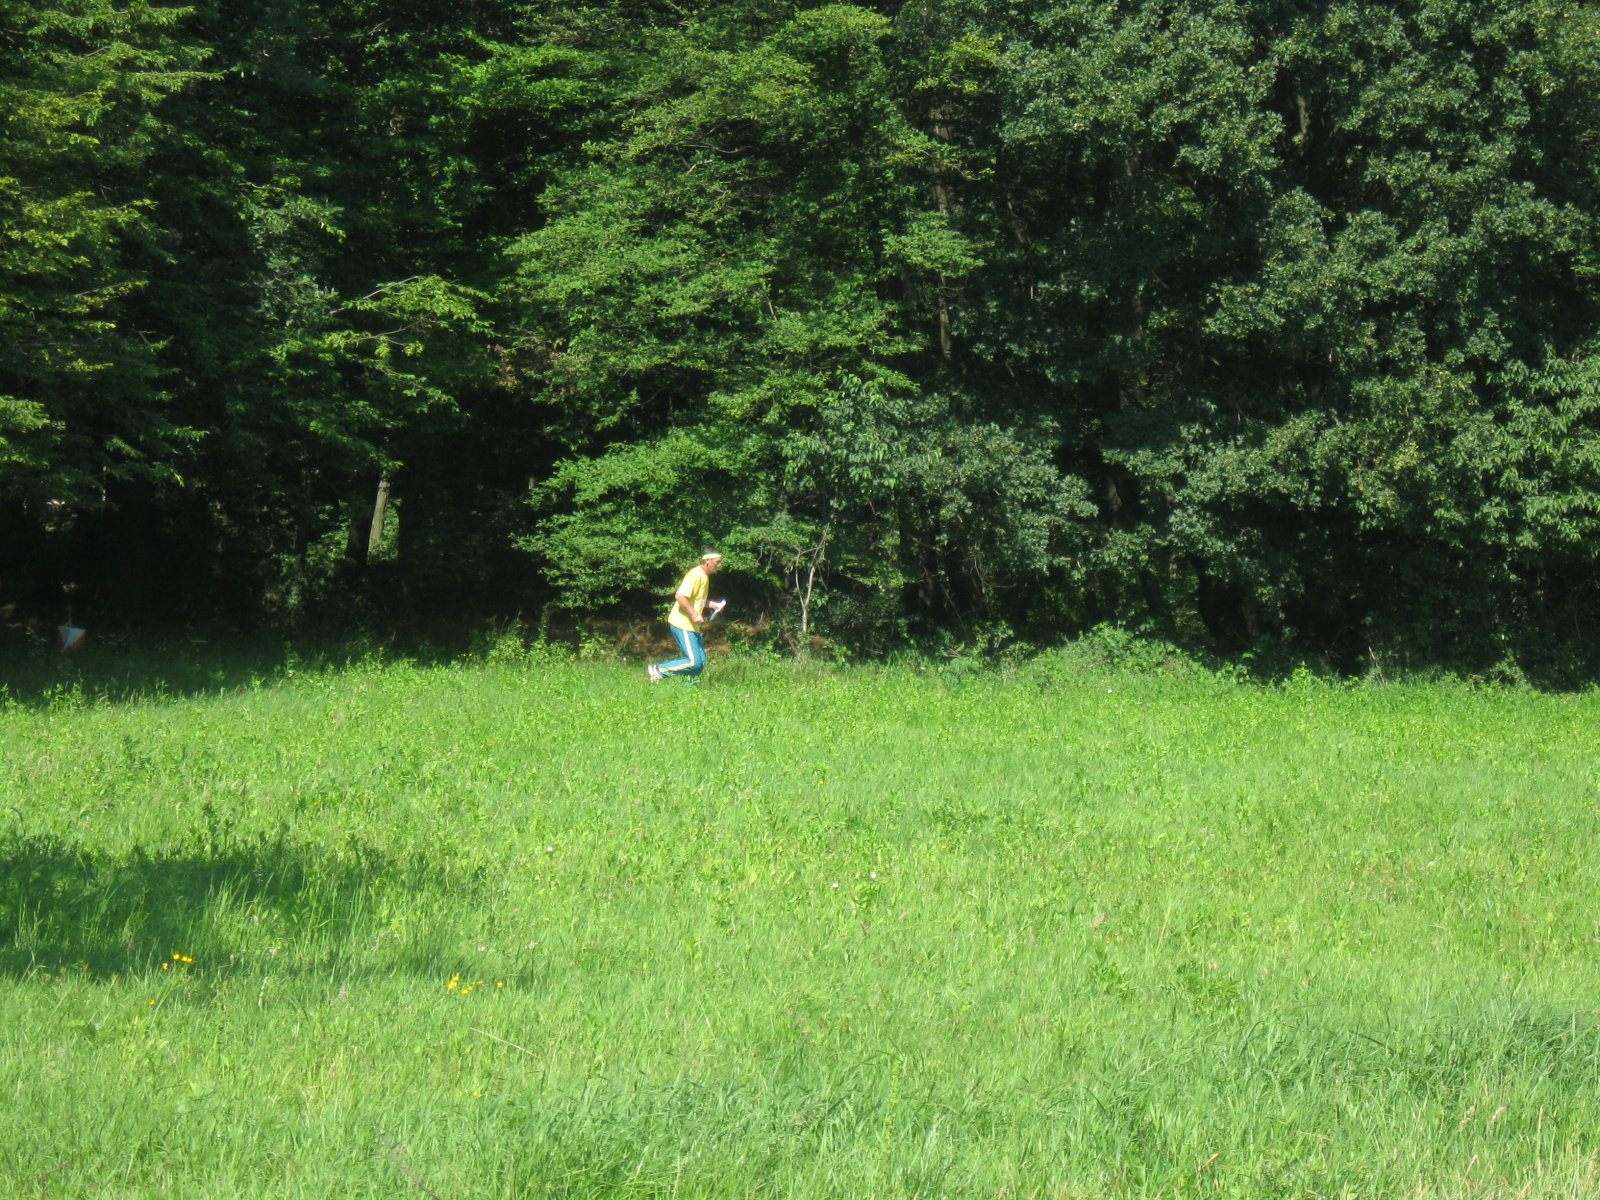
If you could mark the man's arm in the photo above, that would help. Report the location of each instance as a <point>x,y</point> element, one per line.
<point>686,603</point>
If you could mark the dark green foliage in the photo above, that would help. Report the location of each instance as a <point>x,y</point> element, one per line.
<point>79,86</point>
<point>952,321</point>
<point>1323,276</point>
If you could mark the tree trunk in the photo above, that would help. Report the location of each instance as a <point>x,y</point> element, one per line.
<point>358,527</point>
<point>380,511</point>
<point>805,593</point>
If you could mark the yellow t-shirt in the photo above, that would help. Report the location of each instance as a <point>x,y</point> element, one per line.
<point>697,586</point>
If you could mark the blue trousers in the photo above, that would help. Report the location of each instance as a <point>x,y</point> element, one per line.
<point>694,654</point>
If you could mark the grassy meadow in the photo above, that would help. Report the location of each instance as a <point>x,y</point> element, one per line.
<point>542,929</point>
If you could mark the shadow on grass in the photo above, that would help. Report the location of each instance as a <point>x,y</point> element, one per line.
<point>62,906</point>
<point>114,668</point>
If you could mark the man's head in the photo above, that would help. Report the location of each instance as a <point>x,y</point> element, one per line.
<point>710,561</point>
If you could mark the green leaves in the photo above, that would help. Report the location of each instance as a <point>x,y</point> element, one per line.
<point>1232,320</point>
<point>79,84</point>
<point>744,269</point>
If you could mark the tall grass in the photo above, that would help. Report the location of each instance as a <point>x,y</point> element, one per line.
<point>545,930</point>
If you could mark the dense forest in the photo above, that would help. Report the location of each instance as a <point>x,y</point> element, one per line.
<point>952,322</point>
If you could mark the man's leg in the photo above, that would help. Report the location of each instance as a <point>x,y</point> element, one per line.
<point>697,655</point>
<point>685,648</point>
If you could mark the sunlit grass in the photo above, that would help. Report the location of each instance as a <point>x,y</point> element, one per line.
<point>547,930</point>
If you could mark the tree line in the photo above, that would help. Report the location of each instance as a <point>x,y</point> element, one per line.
<point>949,321</point>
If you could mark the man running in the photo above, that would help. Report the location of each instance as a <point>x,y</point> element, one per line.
<point>688,616</point>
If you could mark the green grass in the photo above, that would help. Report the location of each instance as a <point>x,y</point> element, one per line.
<point>545,930</point>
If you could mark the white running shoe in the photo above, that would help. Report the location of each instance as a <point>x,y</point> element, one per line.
<point>655,673</point>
